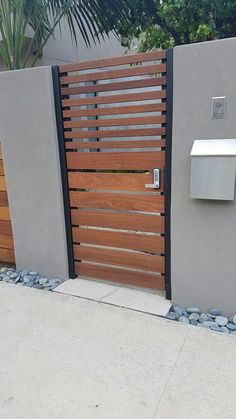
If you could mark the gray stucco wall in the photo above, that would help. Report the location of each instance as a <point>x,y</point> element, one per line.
<point>30,148</point>
<point>203,232</point>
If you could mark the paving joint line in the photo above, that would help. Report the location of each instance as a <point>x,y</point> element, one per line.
<point>170,376</point>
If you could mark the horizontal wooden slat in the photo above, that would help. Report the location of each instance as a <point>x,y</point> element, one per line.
<point>7,255</point>
<point>3,186</point>
<point>120,257</point>
<point>108,87</point>
<point>117,201</point>
<point>123,221</point>
<point>140,242</point>
<point>115,144</point>
<point>5,228</point>
<point>115,74</point>
<point>143,279</point>
<point>3,198</point>
<point>138,132</point>
<point>110,122</point>
<point>153,107</point>
<point>115,61</point>
<point>125,97</point>
<point>6,242</point>
<point>114,161</point>
<point>111,181</point>
<point>1,168</point>
<point>4,213</point>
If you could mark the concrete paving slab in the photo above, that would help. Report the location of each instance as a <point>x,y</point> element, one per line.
<point>63,357</point>
<point>94,290</point>
<point>139,299</point>
<point>122,295</point>
<point>203,381</point>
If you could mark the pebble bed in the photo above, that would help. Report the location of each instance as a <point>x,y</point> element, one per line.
<point>29,279</point>
<point>213,320</point>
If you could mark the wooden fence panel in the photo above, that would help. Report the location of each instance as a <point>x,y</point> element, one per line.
<point>114,127</point>
<point>6,237</point>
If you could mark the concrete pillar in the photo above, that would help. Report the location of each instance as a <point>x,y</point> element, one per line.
<point>203,233</point>
<point>28,134</point>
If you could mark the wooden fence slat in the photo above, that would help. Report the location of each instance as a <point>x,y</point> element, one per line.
<point>111,181</point>
<point>115,144</point>
<point>3,198</point>
<point>110,122</point>
<point>115,61</point>
<point>117,201</point>
<point>140,242</point>
<point>4,213</point>
<point>6,242</point>
<point>127,97</point>
<point>116,161</point>
<point>115,74</point>
<point>3,186</point>
<point>153,107</point>
<point>144,279</point>
<point>7,255</point>
<point>5,228</point>
<point>123,221</point>
<point>1,168</point>
<point>120,257</point>
<point>108,87</point>
<point>120,133</point>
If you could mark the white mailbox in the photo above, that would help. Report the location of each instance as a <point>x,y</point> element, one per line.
<point>213,169</point>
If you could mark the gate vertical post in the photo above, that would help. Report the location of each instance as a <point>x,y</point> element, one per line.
<point>63,165</point>
<point>169,117</point>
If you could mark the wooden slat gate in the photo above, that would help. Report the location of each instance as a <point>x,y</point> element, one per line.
<point>6,237</point>
<point>114,129</point>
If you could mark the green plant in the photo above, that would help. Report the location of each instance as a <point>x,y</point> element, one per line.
<point>165,23</point>
<point>93,19</point>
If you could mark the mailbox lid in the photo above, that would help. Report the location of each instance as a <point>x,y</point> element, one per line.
<point>221,147</point>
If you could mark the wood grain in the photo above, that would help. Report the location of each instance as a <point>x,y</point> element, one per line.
<point>4,213</point>
<point>154,107</point>
<point>3,186</point>
<point>111,87</point>
<point>118,122</point>
<point>124,221</point>
<point>140,242</point>
<point>7,255</point>
<point>6,242</point>
<point>1,168</point>
<point>143,279</point>
<point>125,97</point>
<point>138,132</point>
<point>117,201</point>
<point>119,257</point>
<point>115,74</point>
<point>111,181</point>
<point>5,228</point>
<point>3,198</point>
<point>75,145</point>
<point>109,62</point>
<point>145,160</point>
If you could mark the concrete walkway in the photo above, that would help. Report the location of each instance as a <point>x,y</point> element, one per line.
<point>64,357</point>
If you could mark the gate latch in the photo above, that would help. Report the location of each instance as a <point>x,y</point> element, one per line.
<point>156,180</point>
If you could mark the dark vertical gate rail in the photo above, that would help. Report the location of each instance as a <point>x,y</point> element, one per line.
<point>63,164</point>
<point>159,137</point>
<point>169,117</point>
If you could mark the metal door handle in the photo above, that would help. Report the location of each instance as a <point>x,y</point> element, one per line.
<point>156,180</point>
